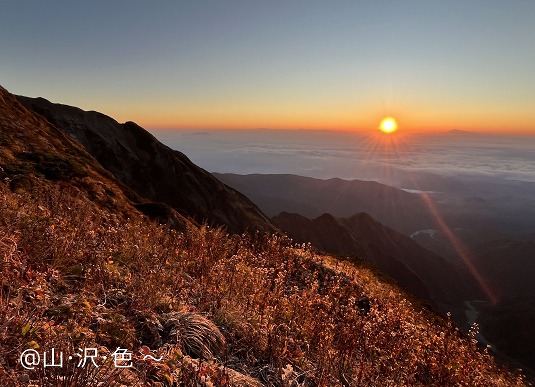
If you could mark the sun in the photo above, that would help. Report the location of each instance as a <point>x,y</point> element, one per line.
<point>388,125</point>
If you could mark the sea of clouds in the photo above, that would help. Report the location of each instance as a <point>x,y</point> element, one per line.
<point>326,154</point>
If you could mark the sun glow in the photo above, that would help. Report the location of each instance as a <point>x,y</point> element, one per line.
<point>388,125</point>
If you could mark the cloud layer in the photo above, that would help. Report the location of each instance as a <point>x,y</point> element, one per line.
<point>324,154</point>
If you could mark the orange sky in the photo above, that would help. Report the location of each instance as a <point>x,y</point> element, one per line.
<point>329,65</point>
<point>343,117</point>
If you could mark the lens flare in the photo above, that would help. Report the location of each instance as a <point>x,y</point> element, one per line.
<point>462,250</point>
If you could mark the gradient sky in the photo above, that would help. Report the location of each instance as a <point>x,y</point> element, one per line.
<point>279,64</point>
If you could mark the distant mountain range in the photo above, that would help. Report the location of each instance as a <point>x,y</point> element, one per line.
<point>458,132</point>
<point>398,209</point>
<point>404,211</point>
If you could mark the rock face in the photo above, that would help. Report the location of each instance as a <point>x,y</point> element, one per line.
<point>421,272</point>
<point>154,171</point>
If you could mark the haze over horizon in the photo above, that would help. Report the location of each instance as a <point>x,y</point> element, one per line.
<point>329,154</point>
<point>249,64</point>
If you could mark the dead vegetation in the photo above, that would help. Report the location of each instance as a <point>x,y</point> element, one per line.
<point>217,309</point>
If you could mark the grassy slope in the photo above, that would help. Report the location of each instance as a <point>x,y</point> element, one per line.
<point>80,268</point>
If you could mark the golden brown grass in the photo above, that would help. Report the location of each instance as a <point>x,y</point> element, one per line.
<point>74,275</point>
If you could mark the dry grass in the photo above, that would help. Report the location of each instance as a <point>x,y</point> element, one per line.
<point>74,275</point>
<point>199,336</point>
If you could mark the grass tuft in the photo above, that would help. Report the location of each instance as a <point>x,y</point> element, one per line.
<point>198,336</point>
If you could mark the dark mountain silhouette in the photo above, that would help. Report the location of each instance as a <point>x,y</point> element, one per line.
<point>421,272</point>
<point>137,159</point>
<point>403,211</point>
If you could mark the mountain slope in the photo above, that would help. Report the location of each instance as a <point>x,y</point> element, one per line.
<point>426,275</point>
<point>35,153</point>
<point>153,170</point>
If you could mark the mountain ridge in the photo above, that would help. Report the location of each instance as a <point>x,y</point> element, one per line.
<point>153,170</point>
<point>311,197</point>
<point>414,268</point>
